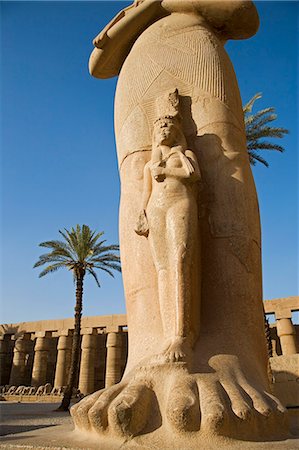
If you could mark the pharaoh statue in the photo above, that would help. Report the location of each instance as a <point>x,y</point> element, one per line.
<point>189,233</point>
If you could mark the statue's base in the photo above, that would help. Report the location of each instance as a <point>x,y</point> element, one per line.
<point>166,406</point>
<point>63,437</point>
<point>37,426</point>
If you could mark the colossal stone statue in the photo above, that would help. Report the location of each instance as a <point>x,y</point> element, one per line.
<point>189,233</point>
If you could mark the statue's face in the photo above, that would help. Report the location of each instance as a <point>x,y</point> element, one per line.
<point>165,132</point>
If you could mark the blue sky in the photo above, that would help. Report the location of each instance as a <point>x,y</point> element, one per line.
<point>59,164</point>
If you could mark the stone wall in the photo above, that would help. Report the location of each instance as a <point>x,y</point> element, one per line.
<point>37,353</point>
<point>285,348</point>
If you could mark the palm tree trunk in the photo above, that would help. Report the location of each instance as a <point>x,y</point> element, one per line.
<point>72,378</point>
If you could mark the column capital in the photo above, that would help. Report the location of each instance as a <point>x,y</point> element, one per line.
<point>22,337</point>
<point>64,332</point>
<point>283,313</point>
<point>43,334</point>
<point>113,329</point>
<point>88,330</point>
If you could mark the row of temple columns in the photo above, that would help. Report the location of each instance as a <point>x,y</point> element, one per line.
<point>110,356</point>
<point>40,357</point>
<point>285,340</point>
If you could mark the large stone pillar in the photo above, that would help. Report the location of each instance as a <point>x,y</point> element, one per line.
<point>113,362</point>
<point>64,347</point>
<point>88,346</point>
<point>4,359</point>
<point>20,355</point>
<point>287,335</point>
<point>41,354</point>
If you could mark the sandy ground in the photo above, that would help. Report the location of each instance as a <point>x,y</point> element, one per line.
<point>21,417</point>
<point>37,426</point>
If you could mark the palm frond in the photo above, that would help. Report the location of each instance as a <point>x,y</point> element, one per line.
<point>105,270</point>
<point>255,145</point>
<point>47,258</point>
<point>253,157</point>
<point>60,247</point>
<point>266,132</point>
<point>96,238</point>
<point>51,269</point>
<point>248,107</point>
<point>92,273</point>
<point>258,128</point>
<point>101,252</point>
<point>263,112</point>
<point>254,122</point>
<point>68,240</point>
<point>101,265</point>
<point>105,258</point>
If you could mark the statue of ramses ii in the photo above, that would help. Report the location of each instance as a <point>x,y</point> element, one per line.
<point>189,233</point>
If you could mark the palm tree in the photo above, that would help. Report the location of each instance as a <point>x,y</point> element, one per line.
<point>81,252</point>
<point>257,128</point>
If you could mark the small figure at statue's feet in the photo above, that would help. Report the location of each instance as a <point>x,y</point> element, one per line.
<point>177,350</point>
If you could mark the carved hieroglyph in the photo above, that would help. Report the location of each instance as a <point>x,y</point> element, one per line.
<point>189,233</point>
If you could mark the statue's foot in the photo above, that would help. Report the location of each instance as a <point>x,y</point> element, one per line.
<point>121,410</point>
<point>233,406</point>
<point>177,350</point>
<point>141,403</point>
<point>222,403</point>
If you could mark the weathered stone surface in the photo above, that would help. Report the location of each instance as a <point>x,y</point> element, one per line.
<point>189,233</point>
<point>30,426</point>
<point>285,371</point>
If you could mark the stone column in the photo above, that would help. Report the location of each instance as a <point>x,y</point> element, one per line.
<point>41,353</point>
<point>287,335</point>
<point>113,362</point>
<point>64,348</point>
<point>18,370</point>
<point>88,346</point>
<point>4,359</point>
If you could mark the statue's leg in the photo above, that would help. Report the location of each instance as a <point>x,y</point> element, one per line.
<point>232,345</point>
<point>181,226</point>
<point>158,240</point>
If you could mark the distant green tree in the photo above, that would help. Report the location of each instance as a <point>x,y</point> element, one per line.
<point>258,129</point>
<point>80,252</point>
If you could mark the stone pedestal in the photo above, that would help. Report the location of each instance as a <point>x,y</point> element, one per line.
<point>287,335</point>
<point>113,361</point>
<point>63,358</point>
<point>88,346</point>
<point>41,353</point>
<point>18,370</point>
